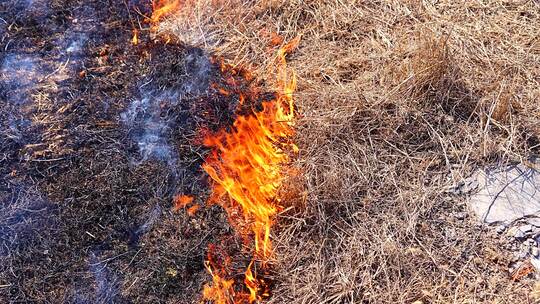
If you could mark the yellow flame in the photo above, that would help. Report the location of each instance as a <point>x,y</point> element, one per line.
<point>245,166</point>
<point>163,8</point>
<point>135,38</point>
<point>221,291</point>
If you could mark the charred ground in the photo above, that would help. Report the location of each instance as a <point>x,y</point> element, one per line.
<point>97,137</point>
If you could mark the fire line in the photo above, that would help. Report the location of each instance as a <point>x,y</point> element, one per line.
<point>246,167</point>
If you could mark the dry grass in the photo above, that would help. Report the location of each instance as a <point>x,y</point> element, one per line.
<point>399,101</point>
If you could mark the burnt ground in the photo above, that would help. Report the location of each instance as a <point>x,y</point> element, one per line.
<point>96,138</point>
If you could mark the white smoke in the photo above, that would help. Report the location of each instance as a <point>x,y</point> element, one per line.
<point>149,125</point>
<point>149,129</point>
<point>198,67</point>
<point>105,287</point>
<point>20,76</point>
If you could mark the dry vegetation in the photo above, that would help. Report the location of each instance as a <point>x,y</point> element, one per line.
<point>399,101</point>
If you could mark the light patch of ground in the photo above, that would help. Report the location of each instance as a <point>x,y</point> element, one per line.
<point>507,194</point>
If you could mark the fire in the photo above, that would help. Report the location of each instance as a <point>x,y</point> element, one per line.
<point>135,38</point>
<point>185,201</point>
<point>221,290</point>
<point>192,210</point>
<point>181,201</point>
<point>246,167</point>
<point>163,8</point>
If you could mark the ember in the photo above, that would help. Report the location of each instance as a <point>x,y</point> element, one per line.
<point>135,38</point>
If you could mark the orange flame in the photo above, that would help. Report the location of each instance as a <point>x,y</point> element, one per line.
<point>162,9</point>
<point>221,291</point>
<point>246,167</point>
<point>192,210</point>
<point>181,201</point>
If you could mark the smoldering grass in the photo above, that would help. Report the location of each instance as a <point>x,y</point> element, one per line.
<point>105,286</point>
<point>147,224</point>
<point>149,129</point>
<point>20,76</point>
<point>29,10</point>
<point>147,118</point>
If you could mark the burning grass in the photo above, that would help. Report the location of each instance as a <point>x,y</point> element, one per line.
<point>399,101</point>
<point>247,166</point>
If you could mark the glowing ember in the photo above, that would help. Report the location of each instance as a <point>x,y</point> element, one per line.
<point>246,166</point>
<point>182,201</point>
<point>135,39</point>
<point>192,210</point>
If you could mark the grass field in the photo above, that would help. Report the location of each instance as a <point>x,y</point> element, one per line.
<point>104,197</point>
